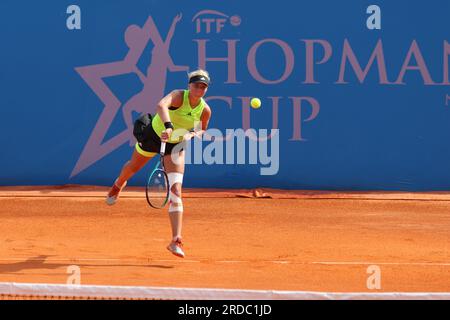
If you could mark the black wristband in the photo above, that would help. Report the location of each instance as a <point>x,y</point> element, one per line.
<point>168,125</point>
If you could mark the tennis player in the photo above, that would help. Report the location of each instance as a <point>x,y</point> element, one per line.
<point>180,109</point>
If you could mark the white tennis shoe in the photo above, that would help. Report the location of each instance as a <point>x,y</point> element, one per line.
<point>113,194</point>
<point>175,248</point>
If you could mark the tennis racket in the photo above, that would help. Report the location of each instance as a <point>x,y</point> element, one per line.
<point>157,188</point>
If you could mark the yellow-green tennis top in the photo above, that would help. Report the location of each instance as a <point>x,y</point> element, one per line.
<point>185,117</point>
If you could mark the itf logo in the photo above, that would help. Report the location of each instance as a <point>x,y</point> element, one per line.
<point>154,82</point>
<point>213,21</point>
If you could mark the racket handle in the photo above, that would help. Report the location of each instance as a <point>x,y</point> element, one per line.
<point>163,149</point>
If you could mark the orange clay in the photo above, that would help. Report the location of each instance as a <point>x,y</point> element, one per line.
<point>305,243</point>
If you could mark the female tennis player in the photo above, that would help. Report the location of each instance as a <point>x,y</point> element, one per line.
<point>180,109</point>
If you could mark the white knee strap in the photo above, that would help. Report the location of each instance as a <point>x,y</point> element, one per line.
<point>176,204</point>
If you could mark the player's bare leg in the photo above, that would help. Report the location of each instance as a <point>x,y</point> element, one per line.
<point>175,171</point>
<point>129,169</point>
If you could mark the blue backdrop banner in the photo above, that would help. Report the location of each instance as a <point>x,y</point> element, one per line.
<point>357,92</point>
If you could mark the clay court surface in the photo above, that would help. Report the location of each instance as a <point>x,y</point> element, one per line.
<point>242,239</point>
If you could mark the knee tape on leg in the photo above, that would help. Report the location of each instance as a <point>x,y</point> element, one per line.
<point>176,204</point>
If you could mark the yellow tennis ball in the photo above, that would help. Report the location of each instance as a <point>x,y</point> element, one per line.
<point>255,103</point>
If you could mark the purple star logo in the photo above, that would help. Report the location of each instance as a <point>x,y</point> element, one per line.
<point>154,82</point>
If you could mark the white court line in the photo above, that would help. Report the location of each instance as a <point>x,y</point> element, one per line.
<point>443,264</point>
<point>144,260</point>
<point>60,290</point>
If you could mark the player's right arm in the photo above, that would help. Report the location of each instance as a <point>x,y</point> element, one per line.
<point>173,99</point>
